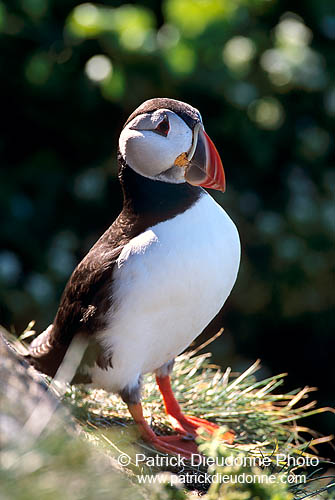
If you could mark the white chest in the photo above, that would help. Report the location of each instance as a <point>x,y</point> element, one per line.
<point>169,283</point>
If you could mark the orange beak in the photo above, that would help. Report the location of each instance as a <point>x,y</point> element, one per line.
<point>204,163</point>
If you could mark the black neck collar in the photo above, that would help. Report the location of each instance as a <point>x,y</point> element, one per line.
<point>156,199</point>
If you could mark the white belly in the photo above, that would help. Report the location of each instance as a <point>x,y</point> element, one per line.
<point>169,283</point>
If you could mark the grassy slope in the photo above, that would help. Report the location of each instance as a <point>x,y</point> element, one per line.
<point>266,423</point>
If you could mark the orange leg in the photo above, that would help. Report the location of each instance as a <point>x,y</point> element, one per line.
<point>177,445</point>
<point>182,423</point>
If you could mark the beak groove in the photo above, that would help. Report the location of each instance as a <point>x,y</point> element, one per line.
<point>215,172</point>
<point>204,166</point>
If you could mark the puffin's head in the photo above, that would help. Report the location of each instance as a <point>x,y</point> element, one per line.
<point>165,140</point>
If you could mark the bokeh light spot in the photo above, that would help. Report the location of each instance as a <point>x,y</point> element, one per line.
<point>132,38</point>
<point>270,223</point>
<point>314,142</point>
<point>40,287</point>
<point>328,26</point>
<point>85,20</point>
<point>90,184</point>
<point>38,69</point>
<point>241,94</point>
<point>168,36</point>
<point>10,267</point>
<point>181,59</point>
<point>289,247</point>
<point>238,52</point>
<point>267,112</point>
<point>274,62</point>
<point>98,68</point>
<point>194,16</point>
<point>292,31</point>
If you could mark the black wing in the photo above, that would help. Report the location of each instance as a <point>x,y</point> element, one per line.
<point>84,303</point>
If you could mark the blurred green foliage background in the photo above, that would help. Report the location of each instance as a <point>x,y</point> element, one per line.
<point>260,72</point>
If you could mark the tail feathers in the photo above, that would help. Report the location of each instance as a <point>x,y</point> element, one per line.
<point>17,349</point>
<point>48,355</point>
<point>42,344</point>
<point>45,353</point>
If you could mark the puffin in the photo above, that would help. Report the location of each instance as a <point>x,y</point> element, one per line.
<point>157,277</point>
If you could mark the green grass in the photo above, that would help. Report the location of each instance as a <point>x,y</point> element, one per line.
<point>267,422</point>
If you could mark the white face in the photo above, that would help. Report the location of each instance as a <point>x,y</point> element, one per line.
<point>151,142</point>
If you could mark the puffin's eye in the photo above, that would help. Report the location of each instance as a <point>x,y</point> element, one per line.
<point>163,127</point>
